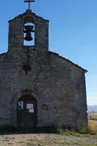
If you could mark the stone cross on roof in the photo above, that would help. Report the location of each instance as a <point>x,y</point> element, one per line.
<point>29,1</point>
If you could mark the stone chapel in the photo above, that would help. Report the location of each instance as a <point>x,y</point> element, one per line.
<point>38,88</point>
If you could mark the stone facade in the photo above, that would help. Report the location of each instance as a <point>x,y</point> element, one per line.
<point>56,83</point>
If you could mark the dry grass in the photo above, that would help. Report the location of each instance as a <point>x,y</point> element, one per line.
<point>92,127</point>
<point>92,116</point>
<point>92,123</point>
<point>64,138</point>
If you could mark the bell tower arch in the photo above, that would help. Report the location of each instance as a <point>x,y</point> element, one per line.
<point>29,32</point>
<point>39,27</point>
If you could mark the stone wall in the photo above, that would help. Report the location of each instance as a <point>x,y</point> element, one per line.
<point>57,84</point>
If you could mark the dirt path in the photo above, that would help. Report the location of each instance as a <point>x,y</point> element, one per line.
<point>47,140</point>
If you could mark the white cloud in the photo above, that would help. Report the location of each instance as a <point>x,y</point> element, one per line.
<point>92,100</point>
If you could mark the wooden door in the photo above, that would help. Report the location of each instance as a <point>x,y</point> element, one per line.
<point>27,112</point>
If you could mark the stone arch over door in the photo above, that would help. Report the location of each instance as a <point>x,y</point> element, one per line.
<point>16,98</point>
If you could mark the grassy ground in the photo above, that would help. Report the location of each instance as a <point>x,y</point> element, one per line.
<point>65,138</point>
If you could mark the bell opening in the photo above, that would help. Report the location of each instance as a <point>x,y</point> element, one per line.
<point>29,34</point>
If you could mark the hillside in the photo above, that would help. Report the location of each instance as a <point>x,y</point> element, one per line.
<point>92,108</point>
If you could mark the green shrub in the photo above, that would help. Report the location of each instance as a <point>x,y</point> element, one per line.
<point>80,128</point>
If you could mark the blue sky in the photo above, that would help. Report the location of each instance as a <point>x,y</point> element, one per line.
<point>72,33</point>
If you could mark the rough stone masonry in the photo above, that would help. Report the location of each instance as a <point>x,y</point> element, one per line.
<point>56,83</point>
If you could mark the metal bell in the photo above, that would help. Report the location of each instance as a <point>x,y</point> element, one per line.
<point>28,36</point>
<point>28,29</point>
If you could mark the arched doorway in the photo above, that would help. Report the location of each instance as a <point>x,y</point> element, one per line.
<point>27,112</point>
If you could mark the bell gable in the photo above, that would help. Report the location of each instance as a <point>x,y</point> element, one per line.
<point>38,35</point>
